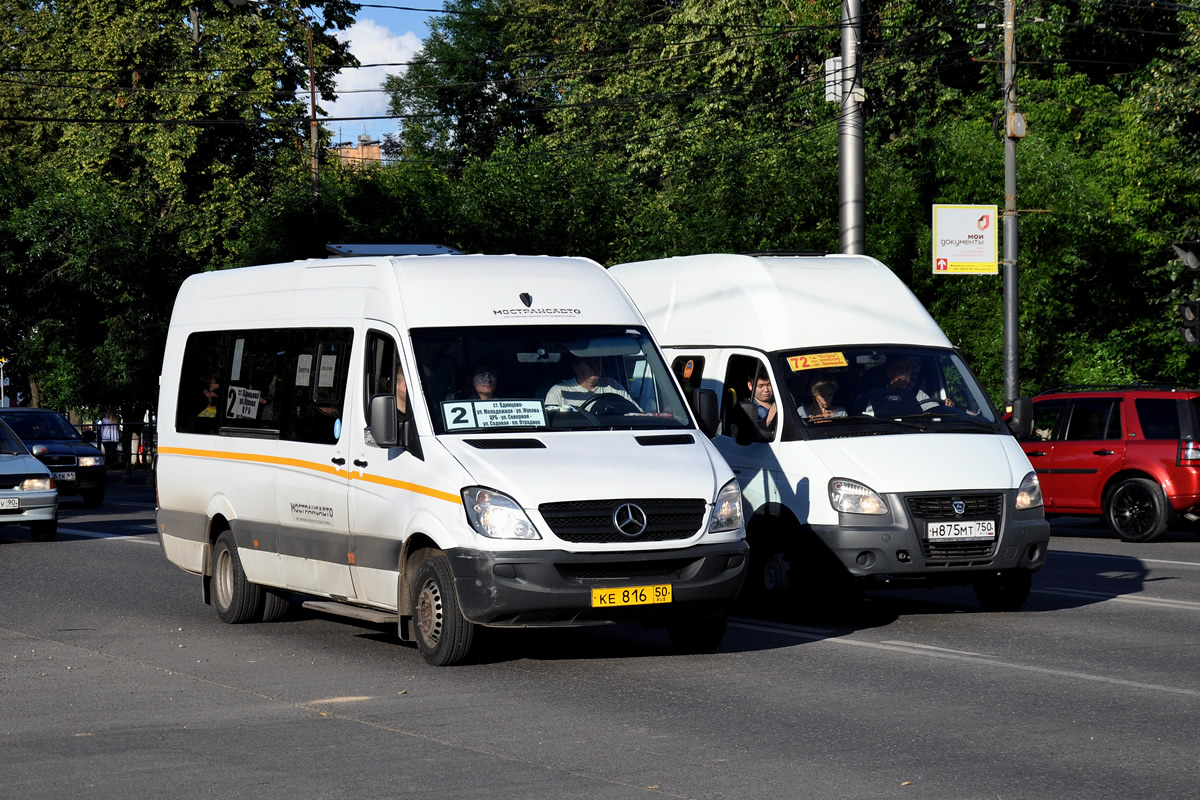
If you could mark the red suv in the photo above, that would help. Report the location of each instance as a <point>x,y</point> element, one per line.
<point>1127,453</point>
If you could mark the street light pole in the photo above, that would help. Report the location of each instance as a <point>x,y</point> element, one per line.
<point>305,25</point>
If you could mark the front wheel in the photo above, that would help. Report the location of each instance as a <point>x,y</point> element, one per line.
<point>235,598</point>
<point>444,637</point>
<point>1137,510</point>
<point>44,531</point>
<point>1004,591</point>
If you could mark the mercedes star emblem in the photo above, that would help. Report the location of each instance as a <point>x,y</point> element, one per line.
<point>629,519</point>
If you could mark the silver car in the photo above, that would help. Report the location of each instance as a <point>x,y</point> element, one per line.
<point>28,495</point>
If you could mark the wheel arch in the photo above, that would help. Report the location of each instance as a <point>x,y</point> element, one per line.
<point>1121,476</point>
<point>217,524</point>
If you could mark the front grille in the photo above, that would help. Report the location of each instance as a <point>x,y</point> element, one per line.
<point>940,506</point>
<point>958,550</point>
<point>591,521</point>
<point>666,570</point>
<point>58,460</point>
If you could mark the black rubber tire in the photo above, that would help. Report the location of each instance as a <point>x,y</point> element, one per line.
<point>1136,510</point>
<point>276,604</point>
<point>769,583</point>
<point>444,637</point>
<point>92,497</point>
<point>44,531</point>
<point>1004,591</point>
<point>698,635</point>
<point>235,598</point>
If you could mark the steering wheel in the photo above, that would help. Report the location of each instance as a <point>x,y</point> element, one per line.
<point>608,404</point>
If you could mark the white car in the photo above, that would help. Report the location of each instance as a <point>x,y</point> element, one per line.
<point>28,495</point>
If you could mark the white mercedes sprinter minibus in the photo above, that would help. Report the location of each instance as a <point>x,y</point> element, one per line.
<point>866,450</point>
<point>443,441</point>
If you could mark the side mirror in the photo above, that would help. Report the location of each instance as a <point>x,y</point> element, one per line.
<point>704,404</point>
<point>385,430</point>
<point>383,420</point>
<point>1021,422</point>
<point>38,450</point>
<point>746,429</point>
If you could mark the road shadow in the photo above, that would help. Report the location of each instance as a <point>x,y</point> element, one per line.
<point>1094,528</point>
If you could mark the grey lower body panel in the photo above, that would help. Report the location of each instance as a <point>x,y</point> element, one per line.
<point>899,550</point>
<point>547,588</point>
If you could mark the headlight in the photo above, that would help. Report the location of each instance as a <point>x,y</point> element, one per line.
<point>1030,493</point>
<point>91,461</point>
<point>727,509</point>
<point>496,515</point>
<point>849,497</point>
<point>37,484</point>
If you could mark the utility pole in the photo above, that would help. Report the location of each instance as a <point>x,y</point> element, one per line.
<point>851,170</point>
<point>1014,129</point>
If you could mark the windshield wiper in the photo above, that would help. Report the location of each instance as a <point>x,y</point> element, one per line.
<point>889,420</point>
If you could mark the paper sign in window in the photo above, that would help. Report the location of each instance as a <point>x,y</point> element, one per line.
<point>328,374</point>
<point>304,370</point>
<point>816,361</point>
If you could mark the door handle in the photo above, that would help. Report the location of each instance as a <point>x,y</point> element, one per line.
<point>1035,453</point>
<point>358,463</point>
<point>1102,452</point>
<point>338,461</point>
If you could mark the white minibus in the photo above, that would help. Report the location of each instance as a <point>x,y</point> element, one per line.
<point>442,441</point>
<point>867,452</point>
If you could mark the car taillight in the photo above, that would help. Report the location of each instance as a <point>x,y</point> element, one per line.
<point>1189,454</point>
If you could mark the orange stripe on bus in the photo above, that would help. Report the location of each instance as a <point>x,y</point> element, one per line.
<point>258,458</point>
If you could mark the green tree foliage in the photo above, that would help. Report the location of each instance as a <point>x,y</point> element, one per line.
<point>142,141</point>
<point>619,130</point>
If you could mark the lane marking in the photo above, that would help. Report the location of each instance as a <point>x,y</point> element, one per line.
<point>932,647</point>
<point>948,655</point>
<point>1162,602</point>
<point>1114,555</point>
<point>139,538</point>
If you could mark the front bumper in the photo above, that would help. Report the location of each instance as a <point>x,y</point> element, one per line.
<point>554,587</point>
<point>35,507</point>
<point>894,545</point>
<point>86,479</point>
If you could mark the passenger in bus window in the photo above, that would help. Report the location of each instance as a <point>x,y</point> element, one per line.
<point>483,383</point>
<point>403,412</point>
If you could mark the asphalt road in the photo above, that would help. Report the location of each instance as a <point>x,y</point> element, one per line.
<point>116,681</point>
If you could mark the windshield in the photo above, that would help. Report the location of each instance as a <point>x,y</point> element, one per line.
<point>40,427</point>
<point>562,377</point>
<point>857,386</point>
<point>9,443</point>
